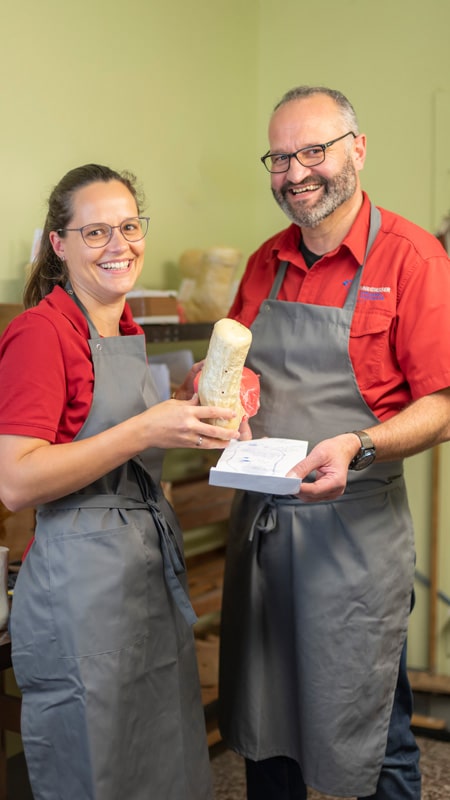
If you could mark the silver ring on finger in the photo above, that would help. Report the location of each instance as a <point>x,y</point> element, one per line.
<point>199,441</point>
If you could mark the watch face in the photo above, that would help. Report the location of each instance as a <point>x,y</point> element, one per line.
<point>363,460</point>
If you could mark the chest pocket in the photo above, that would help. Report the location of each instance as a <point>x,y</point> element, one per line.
<point>372,343</point>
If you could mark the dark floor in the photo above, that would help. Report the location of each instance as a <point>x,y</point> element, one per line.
<point>229,779</point>
<point>18,785</point>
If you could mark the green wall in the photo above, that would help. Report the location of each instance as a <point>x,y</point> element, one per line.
<point>392,59</point>
<point>167,90</point>
<point>180,93</point>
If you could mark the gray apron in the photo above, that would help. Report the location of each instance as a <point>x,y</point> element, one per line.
<point>102,645</point>
<point>316,595</point>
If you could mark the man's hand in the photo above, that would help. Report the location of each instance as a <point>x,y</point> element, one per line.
<point>419,426</point>
<point>328,461</point>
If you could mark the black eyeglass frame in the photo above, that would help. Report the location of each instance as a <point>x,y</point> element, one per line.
<point>323,147</point>
<point>111,228</point>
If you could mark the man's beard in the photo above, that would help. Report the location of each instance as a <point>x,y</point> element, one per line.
<point>336,191</point>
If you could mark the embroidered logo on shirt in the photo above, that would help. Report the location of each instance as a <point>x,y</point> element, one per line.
<point>371,292</point>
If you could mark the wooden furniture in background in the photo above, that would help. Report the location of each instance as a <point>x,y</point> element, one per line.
<point>443,236</point>
<point>198,504</point>
<point>16,530</point>
<point>9,711</point>
<point>429,682</point>
<point>7,313</point>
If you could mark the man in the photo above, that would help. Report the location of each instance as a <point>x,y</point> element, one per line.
<point>349,308</point>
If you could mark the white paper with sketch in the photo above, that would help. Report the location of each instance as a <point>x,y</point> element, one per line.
<point>260,465</point>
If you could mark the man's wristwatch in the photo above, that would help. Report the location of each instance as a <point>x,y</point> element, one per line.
<point>366,453</point>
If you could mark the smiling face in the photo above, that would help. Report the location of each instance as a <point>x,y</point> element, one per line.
<point>101,275</point>
<point>309,195</point>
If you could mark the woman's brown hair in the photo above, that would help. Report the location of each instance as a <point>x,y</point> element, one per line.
<point>47,270</point>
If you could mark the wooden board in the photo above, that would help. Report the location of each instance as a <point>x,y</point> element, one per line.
<point>431,723</point>
<point>428,682</point>
<point>7,313</point>
<point>197,503</point>
<point>16,530</point>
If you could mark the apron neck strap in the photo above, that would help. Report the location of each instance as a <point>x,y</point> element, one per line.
<point>374,227</point>
<point>93,332</point>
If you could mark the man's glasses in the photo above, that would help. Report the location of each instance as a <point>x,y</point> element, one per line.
<point>310,156</point>
<point>99,234</point>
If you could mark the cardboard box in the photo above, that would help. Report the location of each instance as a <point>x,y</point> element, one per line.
<point>148,305</point>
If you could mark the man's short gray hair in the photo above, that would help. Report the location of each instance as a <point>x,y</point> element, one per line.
<point>346,109</point>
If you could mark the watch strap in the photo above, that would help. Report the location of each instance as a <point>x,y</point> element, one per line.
<point>366,441</point>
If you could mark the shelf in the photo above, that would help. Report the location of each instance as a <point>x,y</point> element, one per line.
<point>177,332</point>
<point>422,681</point>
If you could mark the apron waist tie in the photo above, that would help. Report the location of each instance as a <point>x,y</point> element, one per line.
<point>173,564</point>
<point>266,516</point>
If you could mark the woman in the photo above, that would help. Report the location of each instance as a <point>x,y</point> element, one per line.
<point>102,644</point>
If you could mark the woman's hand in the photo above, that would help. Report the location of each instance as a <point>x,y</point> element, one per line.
<point>182,423</point>
<point>187,388</point>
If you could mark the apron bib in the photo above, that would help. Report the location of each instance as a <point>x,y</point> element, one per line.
<point>103,650</point>
<point>316,595</point>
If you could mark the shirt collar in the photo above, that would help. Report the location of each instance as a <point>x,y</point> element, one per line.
<point>60,299</point>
